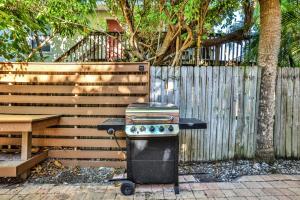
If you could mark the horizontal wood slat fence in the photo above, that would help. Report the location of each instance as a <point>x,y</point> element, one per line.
<point>88,93</point>
<point>227,98</point>
<point>84,94</point>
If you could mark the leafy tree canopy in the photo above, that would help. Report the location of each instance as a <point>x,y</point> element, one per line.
<point>160,30</point>
<point>289,55</point>
<point>21,18</point>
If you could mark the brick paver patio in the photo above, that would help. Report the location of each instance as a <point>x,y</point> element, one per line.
<point>267,187</point>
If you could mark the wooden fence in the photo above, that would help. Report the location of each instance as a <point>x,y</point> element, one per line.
<point>84,94</point>
<point>227,98</point>
<point>287,125</point>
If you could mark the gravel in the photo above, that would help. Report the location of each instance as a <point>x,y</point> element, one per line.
<point>231,170</point>
<point>75,175</point>
<point>52,172</point>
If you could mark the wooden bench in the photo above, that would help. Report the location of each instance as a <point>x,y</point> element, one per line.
<point>24,124</point>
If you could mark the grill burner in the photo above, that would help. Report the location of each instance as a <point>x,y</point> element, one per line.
<point>152,143</point>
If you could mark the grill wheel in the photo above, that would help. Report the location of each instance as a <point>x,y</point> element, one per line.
<point>127,188</point>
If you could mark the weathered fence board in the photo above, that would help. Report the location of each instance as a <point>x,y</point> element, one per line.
<point>227,98</point>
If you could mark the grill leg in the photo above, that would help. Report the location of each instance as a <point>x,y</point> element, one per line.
<point>176,185</point>
<point>176,188</point>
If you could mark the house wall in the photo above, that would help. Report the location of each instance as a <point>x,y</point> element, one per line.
<point>59,45</point>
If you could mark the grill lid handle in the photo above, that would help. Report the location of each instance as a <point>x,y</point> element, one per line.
<point>158,119</point>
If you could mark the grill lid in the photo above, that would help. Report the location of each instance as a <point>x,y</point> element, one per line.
<point>152,107</point>
<point>152,113</point>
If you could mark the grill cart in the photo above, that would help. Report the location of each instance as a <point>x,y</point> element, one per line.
<point>152,143</point>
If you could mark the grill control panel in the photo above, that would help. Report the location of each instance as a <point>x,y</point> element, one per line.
<point>151,130</point>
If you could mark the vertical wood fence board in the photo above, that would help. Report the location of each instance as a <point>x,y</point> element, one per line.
<point>152,83</point>
<point>209,89</point>
<point>171,85</point>
<point>183,110</point>
<point>190,96</point>
<point>252,108</point>
<point>258,83</point>
<point>294,75</point>
<point>289,119</point>
<point>227,103</point>
<point>240,114</point>
<point>221,112</point>
<point>283,113</point>
<point>247,112</point>
<point>196,137</point>
<point>296,114</point>
<point>177,86</point>
<point>203,115</point>
<point>277,127</point>
<point>214,113</point>
<point>253,118</point>
<point>157,84</point>
<point>164,82</point>
<point>297,125</point>
<point>234,112</point>
<point>248,108</point>
<point>253,111</point>
<point>285,132</point>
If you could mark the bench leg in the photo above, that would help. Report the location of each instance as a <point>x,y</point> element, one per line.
<point>26,150</point>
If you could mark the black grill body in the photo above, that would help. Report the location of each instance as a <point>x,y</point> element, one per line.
<point>153,160</point>
<point>150,159</point>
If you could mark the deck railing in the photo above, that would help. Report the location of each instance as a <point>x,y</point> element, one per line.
<point>112,47</point>
<point>96,47</point>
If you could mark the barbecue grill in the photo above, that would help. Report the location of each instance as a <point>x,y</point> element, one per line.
<point>152,143</point>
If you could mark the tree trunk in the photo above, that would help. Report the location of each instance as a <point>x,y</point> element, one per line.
<point>269,44</point>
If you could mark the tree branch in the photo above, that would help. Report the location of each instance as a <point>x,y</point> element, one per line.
<point>240,34</point>
<point>40,46</point>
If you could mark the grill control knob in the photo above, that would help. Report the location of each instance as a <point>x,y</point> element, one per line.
<point>152,129</point>
<point>170,128</point>
<point>142,128</point>
<point>133,129</point>
<point>161,129</point>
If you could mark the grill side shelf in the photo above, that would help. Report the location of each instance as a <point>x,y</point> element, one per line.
<point>191,123</point>
<point>118,124</point>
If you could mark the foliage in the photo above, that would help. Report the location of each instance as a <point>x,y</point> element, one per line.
<point>289,55</point>
<point>161,29</point>
<point>23,18</point>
